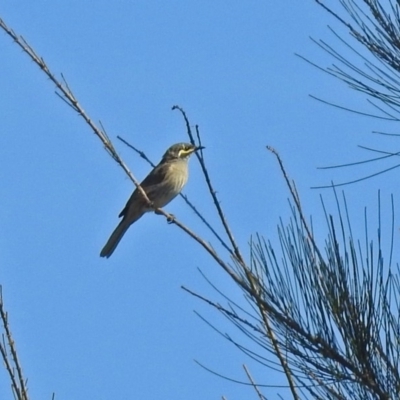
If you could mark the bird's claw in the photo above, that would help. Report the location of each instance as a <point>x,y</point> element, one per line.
<point>170,217</point>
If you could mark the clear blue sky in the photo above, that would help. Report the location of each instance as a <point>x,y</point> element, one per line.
<point>87,327</point>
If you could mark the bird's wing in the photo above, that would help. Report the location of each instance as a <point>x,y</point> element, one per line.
<point>154,178</point>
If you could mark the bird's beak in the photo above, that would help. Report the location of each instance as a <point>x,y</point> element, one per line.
<point>199,148</point>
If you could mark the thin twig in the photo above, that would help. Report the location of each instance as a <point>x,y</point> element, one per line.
<point>259,394</point>
<point>271,336</point>
<point>20,388</point>
<point>141,153</point>
<point>236,253</point>
<point>9,368</point>
<point>296,200</point>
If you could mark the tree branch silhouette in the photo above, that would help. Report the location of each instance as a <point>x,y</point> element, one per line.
<point>10,356</point>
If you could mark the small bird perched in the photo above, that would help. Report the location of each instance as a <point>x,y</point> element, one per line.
<point>161,185</point>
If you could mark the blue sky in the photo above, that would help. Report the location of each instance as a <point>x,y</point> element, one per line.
<point>86,327</point>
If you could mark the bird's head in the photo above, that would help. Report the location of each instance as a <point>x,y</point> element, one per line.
<point>180,151</point>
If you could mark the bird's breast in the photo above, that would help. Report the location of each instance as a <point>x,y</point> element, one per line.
<point>175,179</point>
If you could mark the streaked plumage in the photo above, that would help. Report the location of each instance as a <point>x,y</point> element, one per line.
<point>162,185</point>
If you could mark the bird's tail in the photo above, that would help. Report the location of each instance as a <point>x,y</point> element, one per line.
<point>115,238</point>
<point>117,235</point>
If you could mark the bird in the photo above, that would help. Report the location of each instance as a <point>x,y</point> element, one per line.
<point>161,185</point>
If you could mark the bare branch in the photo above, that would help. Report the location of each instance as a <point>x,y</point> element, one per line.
<point>11,362</point>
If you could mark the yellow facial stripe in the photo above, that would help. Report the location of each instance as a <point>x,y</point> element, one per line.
<point>183,152</point>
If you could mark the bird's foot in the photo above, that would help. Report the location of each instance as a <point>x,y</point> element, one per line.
<point>170,218</point>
